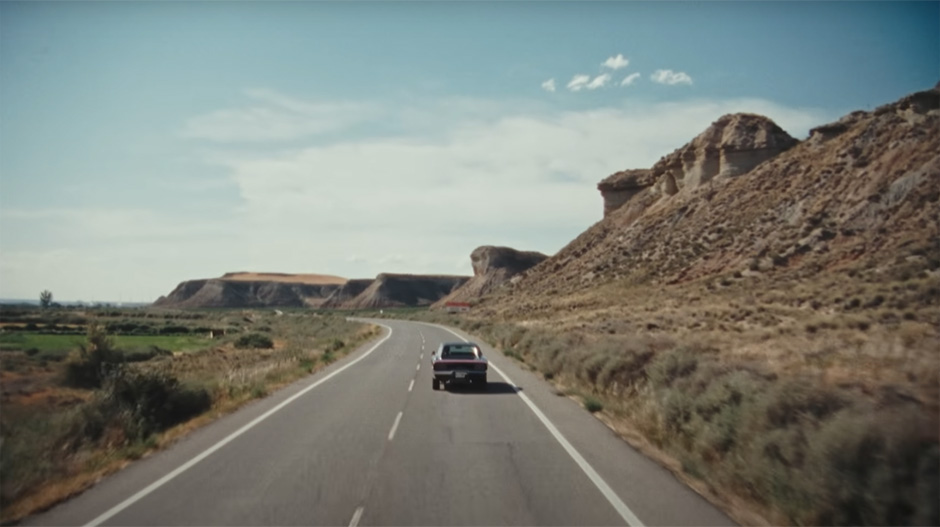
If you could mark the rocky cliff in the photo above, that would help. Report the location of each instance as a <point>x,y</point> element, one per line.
<point>733,145</point>
<point>492,267</point>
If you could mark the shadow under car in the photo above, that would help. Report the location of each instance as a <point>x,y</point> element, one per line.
<point>490,388</point>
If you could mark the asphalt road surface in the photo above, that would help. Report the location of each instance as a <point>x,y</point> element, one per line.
<point>368,442</point>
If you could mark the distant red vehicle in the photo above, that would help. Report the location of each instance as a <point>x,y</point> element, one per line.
<point>459,362</point>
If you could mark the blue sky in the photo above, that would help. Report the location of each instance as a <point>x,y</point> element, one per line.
<point>142,144</point>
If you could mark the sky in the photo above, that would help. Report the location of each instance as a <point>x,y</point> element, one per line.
<point>147,143</point>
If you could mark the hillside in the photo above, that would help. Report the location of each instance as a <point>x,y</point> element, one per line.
<point>859,195</point>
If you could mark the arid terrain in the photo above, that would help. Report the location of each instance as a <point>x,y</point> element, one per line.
<point>759,314</point>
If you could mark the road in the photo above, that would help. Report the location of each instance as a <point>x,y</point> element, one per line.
<point>367,441</point>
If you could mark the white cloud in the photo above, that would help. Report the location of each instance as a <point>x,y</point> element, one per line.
<point>670,77</point>
<point>275,117</point>
<point>598,81</point>
<point>549,85</point>
<point>630,79</point>
<point>578,82</point>
<point>616,63</point>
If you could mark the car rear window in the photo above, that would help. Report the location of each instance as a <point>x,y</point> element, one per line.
<point>461,352</point>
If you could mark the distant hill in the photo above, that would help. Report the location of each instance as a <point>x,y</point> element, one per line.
<point>310,290</point>
<point>253,290</point>
<point>400,290</point>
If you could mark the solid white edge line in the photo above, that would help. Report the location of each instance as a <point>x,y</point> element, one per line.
<point>391,434</point>
<point>356,516</point>
<point>412,385</point>
<point>589,471</point>
<point>231,437</point>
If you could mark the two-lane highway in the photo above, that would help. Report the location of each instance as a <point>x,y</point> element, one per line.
<point>368,442</point>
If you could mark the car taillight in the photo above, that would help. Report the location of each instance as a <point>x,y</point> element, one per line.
<point>481,366</point>
<point>438,366</point>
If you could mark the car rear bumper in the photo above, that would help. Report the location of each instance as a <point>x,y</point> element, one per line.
<point>460,375</point>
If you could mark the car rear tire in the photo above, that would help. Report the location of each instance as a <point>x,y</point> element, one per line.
<point>436,384</point>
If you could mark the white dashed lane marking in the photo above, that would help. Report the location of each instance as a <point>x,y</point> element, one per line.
<point>356,517</point>
<point>391,434</point>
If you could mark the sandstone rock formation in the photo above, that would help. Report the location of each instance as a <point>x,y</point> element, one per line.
<point>492,267</point>
<point>622,186</point>
<point>731,146</point>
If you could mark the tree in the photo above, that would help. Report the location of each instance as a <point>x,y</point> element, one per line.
<point>45,299</point>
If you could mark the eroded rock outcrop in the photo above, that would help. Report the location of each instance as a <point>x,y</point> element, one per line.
<point>619,188</point>
<point>731,146</point>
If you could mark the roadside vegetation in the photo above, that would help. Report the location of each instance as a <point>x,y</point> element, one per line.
<point>780,411</point>
<point>85,391</point>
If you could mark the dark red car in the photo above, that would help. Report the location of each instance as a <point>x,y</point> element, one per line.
<point>459,362</point>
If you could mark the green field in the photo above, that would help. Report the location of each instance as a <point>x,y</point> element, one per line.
<point>65,343</point>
